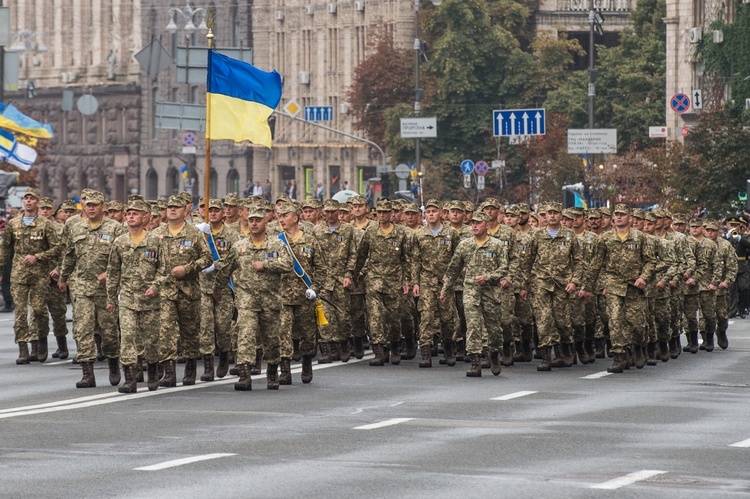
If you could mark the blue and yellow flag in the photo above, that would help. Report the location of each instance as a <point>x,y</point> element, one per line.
<point>240,97</point>
<point>14,120</point>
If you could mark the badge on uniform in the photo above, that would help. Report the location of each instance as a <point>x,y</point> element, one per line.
<point>150,255</point>
<point>307,251</point>
<point>489,254</point>
<point>445,242</point>
<point>272,255</point>
<point>340,239</point>
<point>104,238</point>
<point>396,245</point>
<point>186,243</point>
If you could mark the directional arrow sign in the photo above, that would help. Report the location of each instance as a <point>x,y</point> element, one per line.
<point>697,95</point>
<point>418,128</point>
<point>318,113</point>
<point>514,122</point>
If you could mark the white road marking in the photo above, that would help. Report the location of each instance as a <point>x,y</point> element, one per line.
<point>730,322</point>
<point>110,397</point>
<point>744,443</point>
<point>628,479</point>
<point>180,462</point>
<point>396,404</point>
<point>596,375</point>
<point>58,362</point>
<point>382,424</point>
<point>515,395</point>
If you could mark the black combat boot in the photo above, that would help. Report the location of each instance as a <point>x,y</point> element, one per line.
<point>34,355</point>
<point>567,354</point>
<point>664,351</point>
<point>411,348</point>
<point>114,371</point>
<point>693,342</point>
<point>286,372</point>
<point>131,384</point>
<point>557,361</point>
<point>507,359</point>
<point>651,353</point>
<point>42,353</point>
<point>245,383</point>
<point>170,374</point>
<point>722,340</point>
<point>272,379</point>
<point>23,353</point>
<point>518,355</point>
<point>88,380</point>
<point>62,348</point>
<point>188,378</point>
<point>223,367</point>
<point>378,359</point>
<point>709,344</point>
<point>153,376</point>
<point>359,349</point>
<point>426,351</point>
<point>346,350</point>
<point>618,364</point>
<point>449,353</point>
<point>546,364</point>
<point>296,355</point>
<point>307,370</point>
<point>99,354</point>
<point>208,367</point>
<point>460,347</point>
<point>599,348</point>
<point>528,350</point>
<point>703,340</point>
<point>583,355</point>
<point>485,358</point>
<point>495,362</point>
<point>475,371</point>
<point>395,352</point>
<point>256,367</point>
<point>590,346</point>
<point>325,354</point>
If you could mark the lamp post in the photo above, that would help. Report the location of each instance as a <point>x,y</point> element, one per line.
<point>418,95</point>
<point>28,41</point>
<point>595,25</point>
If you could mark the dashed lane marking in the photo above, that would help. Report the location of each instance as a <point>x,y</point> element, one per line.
<point>744,443</point>
<point>382,424</point>
<point>628,479</point>
<point>515,395</point>
<point>181,462</point>
<point>596,375</point>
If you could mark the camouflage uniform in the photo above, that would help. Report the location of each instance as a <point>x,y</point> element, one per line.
<point>713,277</point>
<point>685,258</point>
<point>729,268</point>
<point>692,302</point>
<point>659,312</point>
<point>507,297</point>
<point>357,305</point>
<point>523,311</point>
<point>87,255</point>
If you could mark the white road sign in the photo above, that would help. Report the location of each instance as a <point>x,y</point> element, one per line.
<point>594,141</point>
<point>658,132</point>
<point>418,128</point>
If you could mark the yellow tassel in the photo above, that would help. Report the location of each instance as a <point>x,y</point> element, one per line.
<point>320,315</point>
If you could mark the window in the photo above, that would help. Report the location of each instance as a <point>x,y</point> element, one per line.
<point>173,181</point>
<point>233,182</point>
<point>214,187</point>
<point>152,184</point>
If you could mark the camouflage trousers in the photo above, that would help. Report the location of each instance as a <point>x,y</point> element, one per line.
<point>552,312</point>
<point>627,319</point>
<point>139,334</point>
<point>708,309</point>
<point>677,306</point>
<point>297,322</point>
<point>57,306</point>
<point>459,328</point>
<point>383,315</point>
<point>525,316</point>
<point>216,323</point>
<point>90,316</point>
<point>408,312</point>
<point>180,320</point>
<point>578,316</point>
<point>27,296</point>
<point>662,318</point>
<point>602,317</point>
<point>358,311</point>
<point>508,320</point>
<point>436,318</point>
<point>339,327</point>
<point>692,305</point>
<point>722,312</point>
<point>650,320</point>
<point>258,329</point>
<point>483,319</point>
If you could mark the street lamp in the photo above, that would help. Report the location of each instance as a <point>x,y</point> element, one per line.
<point>28,41</point>
<point>189,15</point>
<point>418,94</point>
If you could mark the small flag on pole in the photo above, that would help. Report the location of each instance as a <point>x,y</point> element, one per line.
<point>240,98</point>
<point>14,120</point>
<point>11,151</point>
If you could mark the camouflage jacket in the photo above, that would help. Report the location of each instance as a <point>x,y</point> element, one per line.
<point>187,248</point>
<point>432,254</point>
<point>701,264</point>
<point>255,290</point>
<point>223,240</point>
<point>684,257</point>
<point>491,260</point>
<point>713,274</point>
<point>621,262</point>
<point>666,268</point>
<point>521,250</point>
<point>388,258</point>
<point>359,281</point>
<point>310,256</point>
<point>728,264</point>
<point>340,249</point>
<point>553,261</point>
<point>87,254</point>
<point>133,269</point>
<point>39,238</point>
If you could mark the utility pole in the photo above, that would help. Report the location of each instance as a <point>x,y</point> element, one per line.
<point>2,64</point>
<point>592,74</point>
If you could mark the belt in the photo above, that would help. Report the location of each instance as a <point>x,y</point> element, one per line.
<point>741,258</point>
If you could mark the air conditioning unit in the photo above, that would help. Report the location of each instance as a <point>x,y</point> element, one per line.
<point>359,5</point>
<point>343,108</point>
<point>696,35</point>
<point>331,8</point>
<point>309,10</point>
<point>279,15</point>
<point>304,77</point>
<point>718,36</point>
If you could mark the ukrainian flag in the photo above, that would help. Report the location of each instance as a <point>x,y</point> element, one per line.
<point>13,119</point>
<point>240,98</point>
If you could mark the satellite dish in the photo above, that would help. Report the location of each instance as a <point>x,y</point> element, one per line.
<point>87,104</point>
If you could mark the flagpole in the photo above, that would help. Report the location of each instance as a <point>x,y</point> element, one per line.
<point>207,179</point>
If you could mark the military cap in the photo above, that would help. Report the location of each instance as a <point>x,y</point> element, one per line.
<point>201,202</point>
<point>344,207</point>
<point>162,204</point>
<point>568,213</point>
<point>268,206</point>
<point>331,205</point>
<point>85,192</point>
<point>310,203</point>
<point>384,205</point>
<point>678,218</point>
<point>479,216</point>
<point>523,208</point>
<point>155,212</point>
<point>605,212</point>
<point>456,205</point>
<point>469,206</point>
<point>594,213</point>
<point>622,208</point>
<point>115,205</point>
<point>186,197</point>
<point>542,207</point>
<point>46,203</point>
<point>230,200</point>
<point>711,224</point>
<point>33,193</point>
<point>283,198</point>
<point>68,204</point>
<point>554,207</point>
<point>398,204</point>
<point>743,220</point>
<point>577,210</point>
<point>135,197</point>
<point>411,208</point>
<point>491,202</point>
<point>139,205</point>
<point>434,202</point>
<point>650,216</point>
<point>732,220</point>
<point>215,203</point>
<point>667,213</point>
<point>696,222</point>
<point>513,210</point>
<point>638,213</point>
<point>659,213</point>
<point>290,207</point>
<point>257,213</point>
<point>357,200</point>
<point>534,215</point>
<point>95,197</point>
<point>176,201</point>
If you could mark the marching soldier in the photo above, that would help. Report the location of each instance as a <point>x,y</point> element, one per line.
<point>727,264</point>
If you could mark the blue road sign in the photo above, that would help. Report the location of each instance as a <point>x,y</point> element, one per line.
<point>318,113</point>
<point>467,166</point>
<point>680,103</point>
<point>518,122</point>
<point>481,168</point>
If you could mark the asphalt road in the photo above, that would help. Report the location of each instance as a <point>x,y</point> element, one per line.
<point>680,429</point>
